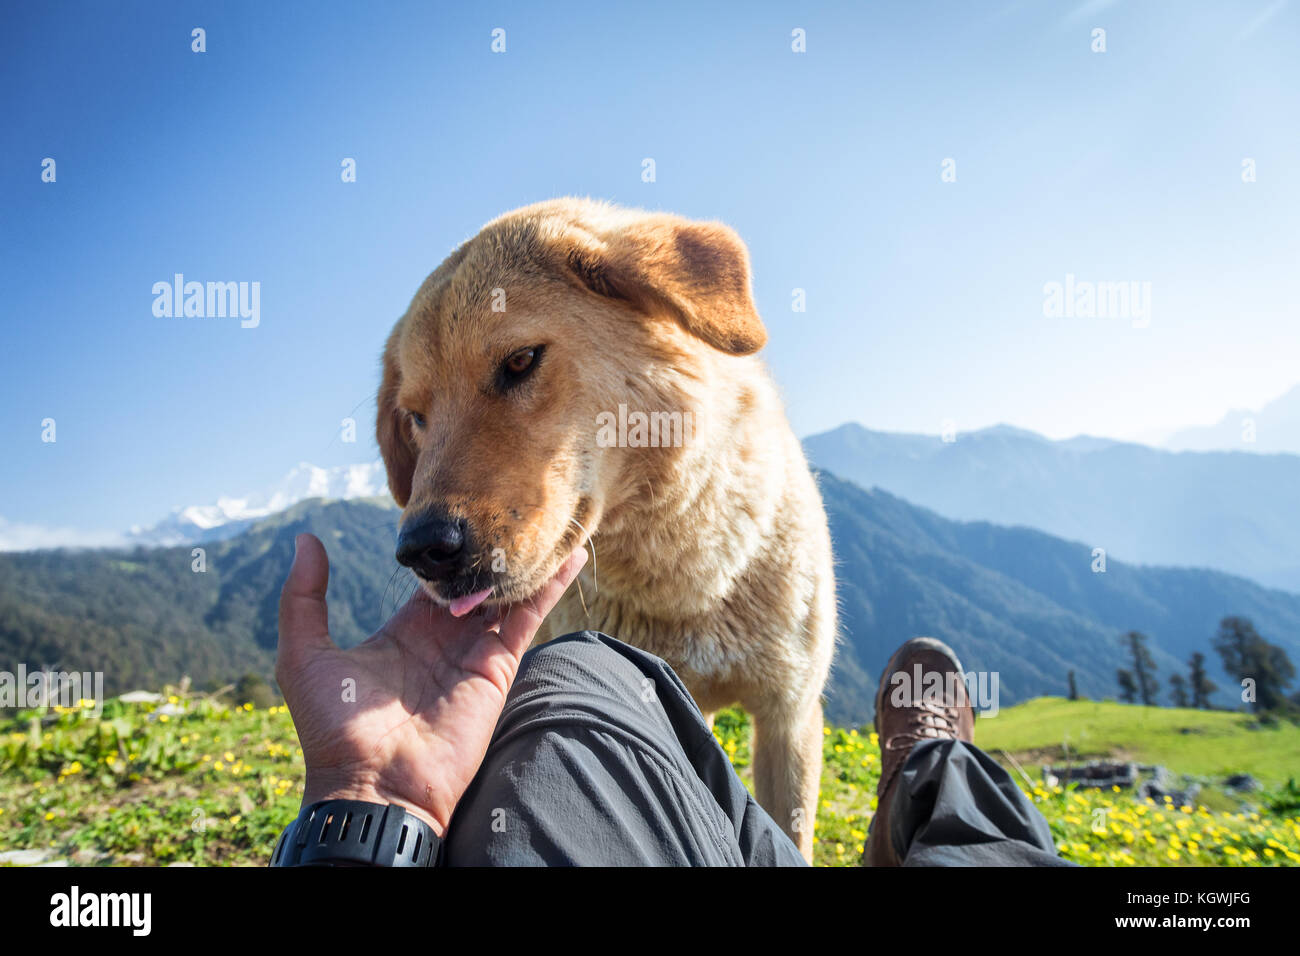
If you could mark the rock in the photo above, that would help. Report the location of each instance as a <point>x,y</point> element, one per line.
<point>1242,782</point>
<point>25,857</point>
<point>1158,789</point>
<point>140,697</point>
<point>1100,775</point>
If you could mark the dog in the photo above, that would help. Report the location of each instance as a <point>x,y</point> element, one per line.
<point>580,373</point>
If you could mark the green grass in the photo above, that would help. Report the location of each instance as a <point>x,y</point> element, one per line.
<point>1198,742</point>
<point>1091,827</point>
<point>215,785</point>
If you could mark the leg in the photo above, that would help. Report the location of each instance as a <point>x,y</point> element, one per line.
<point>601,758</point>
<point>942,800</point>
<point>954,806</point>
<point>787,769</point>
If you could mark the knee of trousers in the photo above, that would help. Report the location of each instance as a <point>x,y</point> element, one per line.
<point>590,678</point>
<point>587,663</point>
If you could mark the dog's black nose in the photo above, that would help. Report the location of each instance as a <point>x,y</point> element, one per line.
<point>432,544</point>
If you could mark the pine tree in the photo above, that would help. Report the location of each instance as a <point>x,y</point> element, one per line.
<point>1144,666</point>
<point>1202,686</point>
<point>1127,689</point>
<point>1247,656</point>
<point>1178,690</point>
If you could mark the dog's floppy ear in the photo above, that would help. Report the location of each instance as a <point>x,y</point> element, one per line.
<point>696,271</point>
<point>391,429</point>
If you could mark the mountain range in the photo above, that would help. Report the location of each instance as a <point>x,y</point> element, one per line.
<point>216,522</point>
<point>1221,509</point>
<point>149,615</point>
<point>1012,600</point>
<point>1273,428</point>
<point>1019,602</point>
<point>1228,511</point>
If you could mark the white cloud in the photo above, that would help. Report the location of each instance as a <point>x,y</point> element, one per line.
<point>228,516</point>
<point>16,536</point>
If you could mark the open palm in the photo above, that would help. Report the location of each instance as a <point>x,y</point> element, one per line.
<point>405,717</point>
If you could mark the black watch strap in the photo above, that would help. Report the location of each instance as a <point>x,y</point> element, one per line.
<point>357,833</point>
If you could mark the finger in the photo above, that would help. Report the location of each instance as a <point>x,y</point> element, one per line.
<point>522,620</point>
<point>304,617</point>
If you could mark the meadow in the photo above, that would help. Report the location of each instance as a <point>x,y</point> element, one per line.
<point>197,781</point>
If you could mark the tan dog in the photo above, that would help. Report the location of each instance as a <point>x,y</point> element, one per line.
<point>583,373</point>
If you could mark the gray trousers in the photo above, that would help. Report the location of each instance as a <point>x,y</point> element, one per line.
<point>601,758</point>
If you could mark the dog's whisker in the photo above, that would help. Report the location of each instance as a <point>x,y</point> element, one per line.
<point>582,600</point>
<point>590,540</point>
<point>595,587</point>
<point>391,578</point>
<point>412,585</point>
<point>405,586</point>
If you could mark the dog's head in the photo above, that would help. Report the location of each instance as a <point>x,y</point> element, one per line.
<point>513,353</point>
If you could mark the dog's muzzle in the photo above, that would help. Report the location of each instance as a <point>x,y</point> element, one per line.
<point>434,545</point>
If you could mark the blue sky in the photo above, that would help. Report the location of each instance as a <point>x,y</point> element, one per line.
<point>924,297</point>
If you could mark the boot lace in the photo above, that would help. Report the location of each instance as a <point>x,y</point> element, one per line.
<point>926,720</point>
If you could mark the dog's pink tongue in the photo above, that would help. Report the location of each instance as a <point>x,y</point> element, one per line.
<point>463,605</point>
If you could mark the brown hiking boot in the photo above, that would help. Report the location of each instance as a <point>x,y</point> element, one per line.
<point>921,697</point>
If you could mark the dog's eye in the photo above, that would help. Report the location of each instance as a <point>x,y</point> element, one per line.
<point>521,361</point>
<point>416,419</point>
<point>520,365</point>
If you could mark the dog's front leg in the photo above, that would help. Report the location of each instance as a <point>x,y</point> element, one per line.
<point>787,768</point>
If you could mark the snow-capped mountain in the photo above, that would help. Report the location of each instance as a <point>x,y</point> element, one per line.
<point>229,516</point>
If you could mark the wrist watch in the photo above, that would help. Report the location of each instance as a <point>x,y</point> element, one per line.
<point>357,833</point>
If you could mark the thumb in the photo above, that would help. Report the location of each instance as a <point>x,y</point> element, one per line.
<point>522,620</point>
<point>304,617</point>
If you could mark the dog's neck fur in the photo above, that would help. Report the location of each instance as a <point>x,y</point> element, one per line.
<point>648,541</point>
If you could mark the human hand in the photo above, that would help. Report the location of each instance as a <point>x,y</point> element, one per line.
<point>427,690</point>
